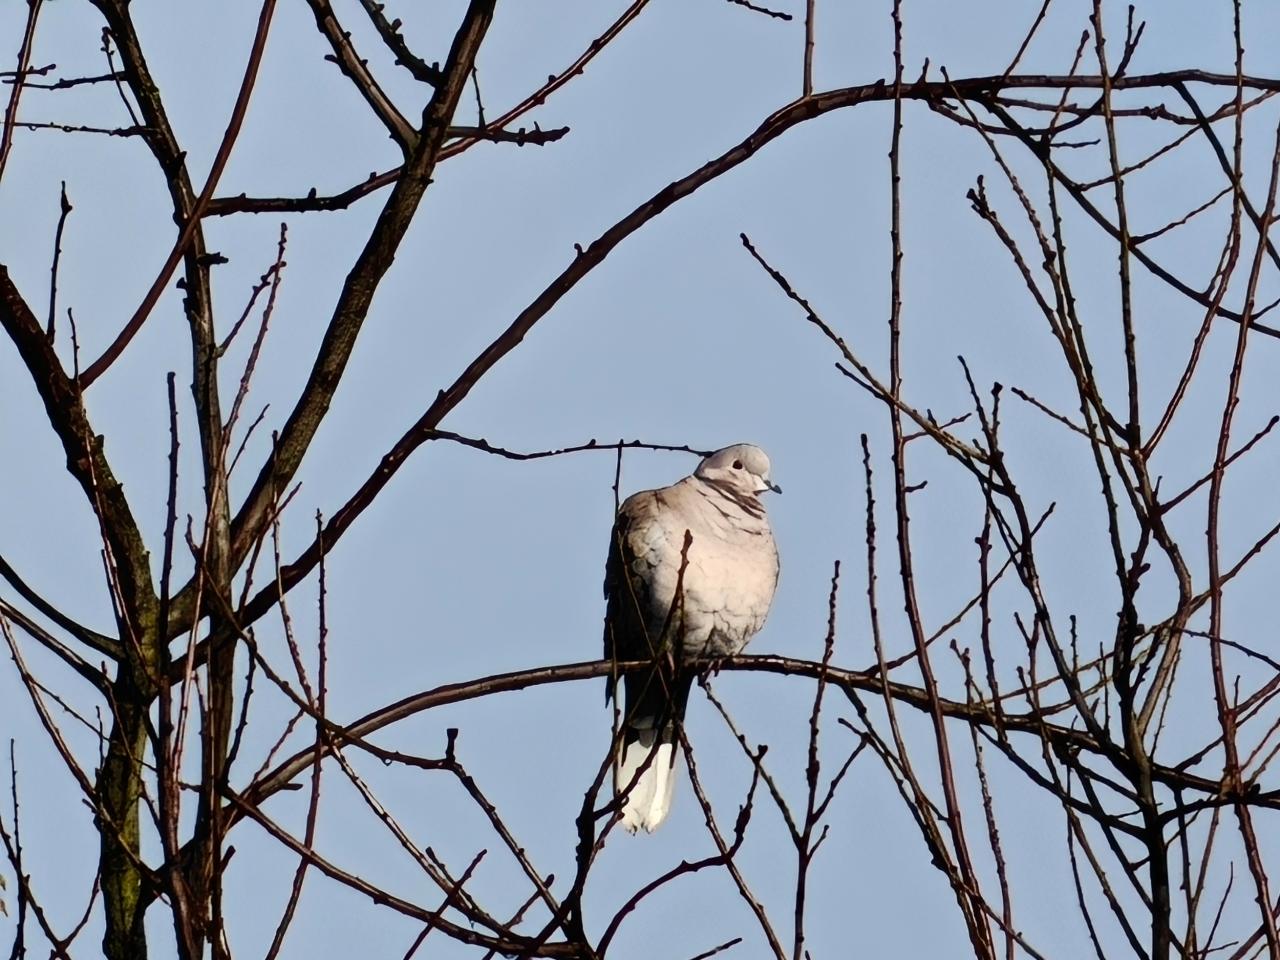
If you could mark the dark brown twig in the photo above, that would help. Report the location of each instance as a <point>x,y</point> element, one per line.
<point>99,366</point>
<point>389,32</point>
<point>64,208</point>
<point>19,82</point>
<point>756,8</point>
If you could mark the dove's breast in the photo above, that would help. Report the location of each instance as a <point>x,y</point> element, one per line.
<point>728,577</point>
<point>730,580</point>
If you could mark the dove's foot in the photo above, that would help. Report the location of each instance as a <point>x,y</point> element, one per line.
<point>712,668</point>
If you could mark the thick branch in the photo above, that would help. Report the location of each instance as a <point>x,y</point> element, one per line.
<point>86,460</point>
<point>353,304</point>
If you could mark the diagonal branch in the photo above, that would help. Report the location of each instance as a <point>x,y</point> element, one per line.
<point>19,81</point>
<point>86,460</point>
<point>353,303</point>
<point>389,31</point>
<point>160,138</point>
<point>343,328</point>
<point>357,71</point>
<point>105,645</point>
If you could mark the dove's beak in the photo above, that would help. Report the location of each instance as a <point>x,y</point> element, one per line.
<point>770,485</point>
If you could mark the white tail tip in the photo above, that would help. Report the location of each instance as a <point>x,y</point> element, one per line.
<point>651,788</point>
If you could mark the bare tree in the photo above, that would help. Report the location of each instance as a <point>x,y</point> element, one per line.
<point>1023,702</point>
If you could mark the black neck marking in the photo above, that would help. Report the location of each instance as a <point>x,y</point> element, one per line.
<point>749,504</point>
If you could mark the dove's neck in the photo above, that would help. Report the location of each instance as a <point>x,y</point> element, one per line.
<point>717,490</point>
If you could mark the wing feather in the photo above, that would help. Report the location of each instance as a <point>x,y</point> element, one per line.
<point>626,588</point>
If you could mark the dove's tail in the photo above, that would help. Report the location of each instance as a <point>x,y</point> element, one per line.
<point>644,770</point>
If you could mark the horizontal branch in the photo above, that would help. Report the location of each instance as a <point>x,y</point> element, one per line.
<point>80,128</point>
<point>591,445</point>
<point>225,206</point>
<point>520,136</point>
<point>68,82</point>
<point>1061,738</point>
<point>8,76</point>
<point>313,202</point>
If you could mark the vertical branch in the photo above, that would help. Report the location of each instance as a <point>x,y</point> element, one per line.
<point>805,845</point>
<point>1227,717</point>
<point>135,688</point>
<point>979,930</point>
<point>1134,425</point>
<point>129,576</point>
<point>1128,631</point>
<point>899,764</point>
<point>317,704</point>
<point>807,88</point>
<point>185,911</point>
<point>19,82</point>
<point>64,209</point>
<point>1227,711</point>
<point>997,852</point>
<point>14,850</point>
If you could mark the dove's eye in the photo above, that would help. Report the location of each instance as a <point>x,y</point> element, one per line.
<point>737,464</point>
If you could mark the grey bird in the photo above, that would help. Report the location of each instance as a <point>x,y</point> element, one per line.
<point>674,604</point>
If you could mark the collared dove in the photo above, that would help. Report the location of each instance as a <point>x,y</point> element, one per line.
<point>677,605</point>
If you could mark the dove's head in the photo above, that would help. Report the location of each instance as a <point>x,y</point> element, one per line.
<point>742,468</point>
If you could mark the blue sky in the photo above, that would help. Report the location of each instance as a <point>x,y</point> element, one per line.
<point>468,564</point>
